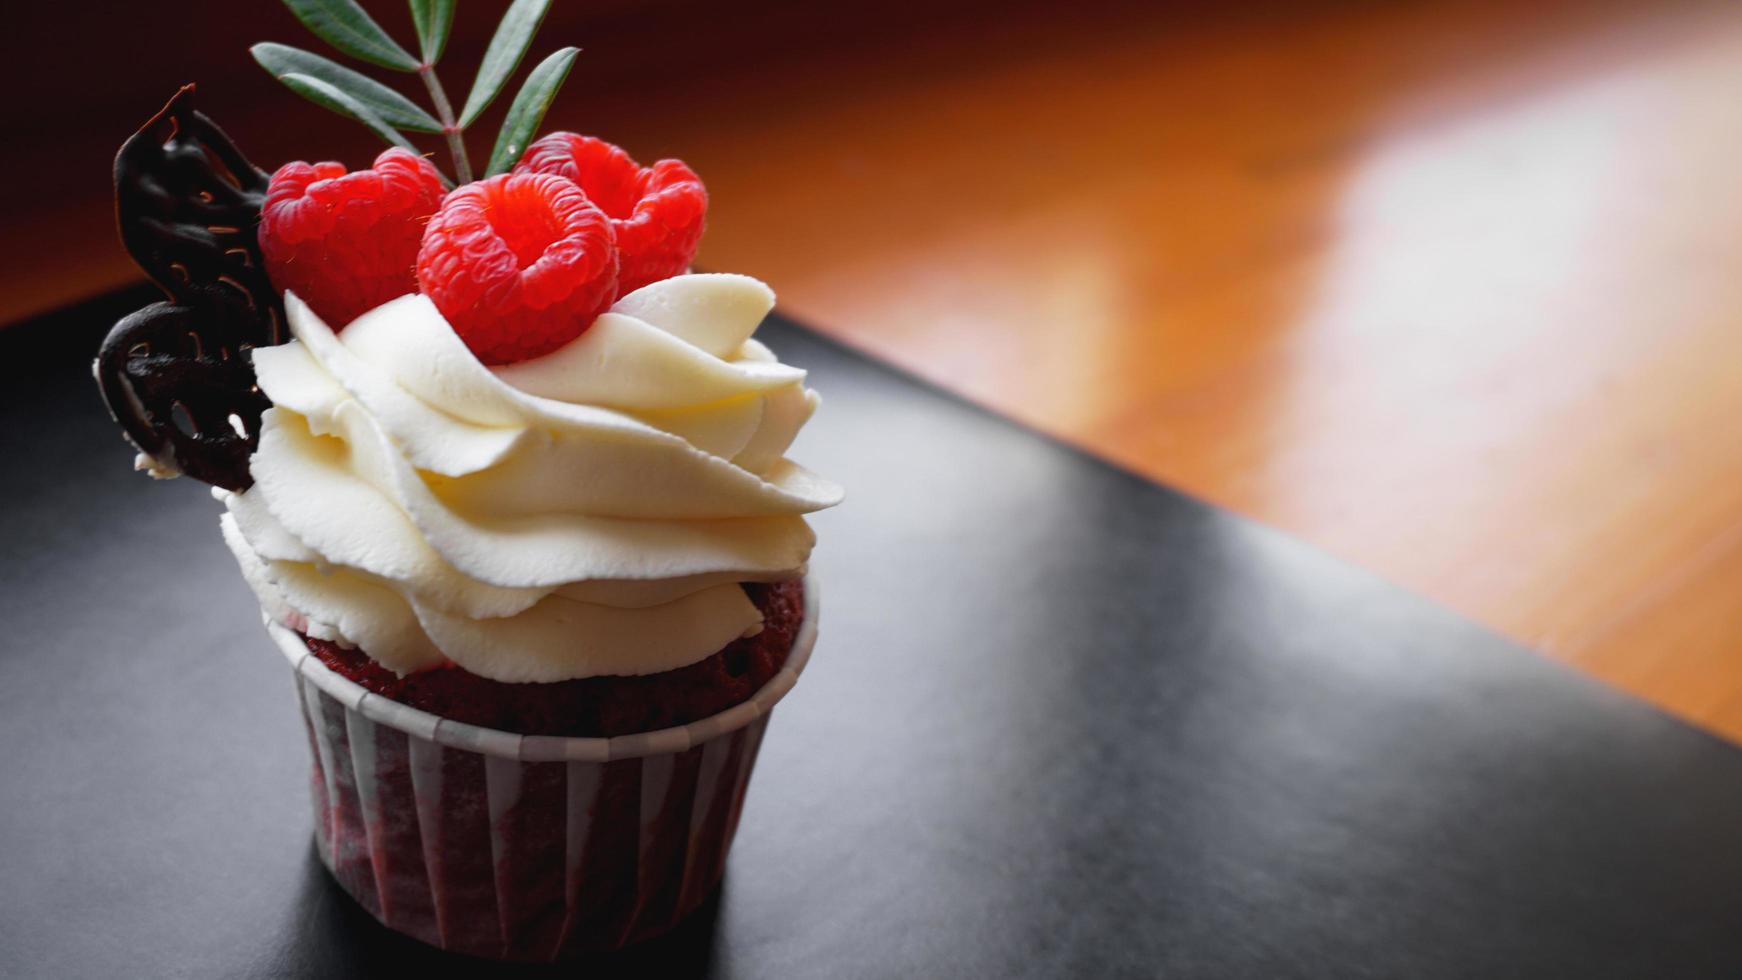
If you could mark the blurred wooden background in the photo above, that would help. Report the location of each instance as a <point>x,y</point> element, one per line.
<point>1450,289</point>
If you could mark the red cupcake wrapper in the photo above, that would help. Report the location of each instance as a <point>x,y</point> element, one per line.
<point>525,847</point>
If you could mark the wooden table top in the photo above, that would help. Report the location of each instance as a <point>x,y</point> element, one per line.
<point>1448,289</point>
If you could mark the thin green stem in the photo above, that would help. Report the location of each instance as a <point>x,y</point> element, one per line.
<point>450,129</point>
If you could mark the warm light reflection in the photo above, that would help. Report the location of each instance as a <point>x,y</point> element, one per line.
<point>1449,290</point>
<point>1521,307</point>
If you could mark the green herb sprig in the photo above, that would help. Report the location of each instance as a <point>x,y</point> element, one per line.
<point>349,29</point>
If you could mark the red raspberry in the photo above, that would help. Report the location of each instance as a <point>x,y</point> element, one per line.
<point>658,211</point>
<point>520,264</point>
<point>346,243</point>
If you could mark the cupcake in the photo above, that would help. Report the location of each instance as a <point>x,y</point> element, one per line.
<point>510,484</point>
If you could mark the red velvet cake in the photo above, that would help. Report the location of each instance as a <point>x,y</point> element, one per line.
<point>594,706</point>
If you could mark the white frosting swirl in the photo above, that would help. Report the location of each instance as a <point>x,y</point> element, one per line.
<point>588,512</point>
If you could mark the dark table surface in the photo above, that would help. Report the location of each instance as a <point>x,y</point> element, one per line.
<point>1061,722</point>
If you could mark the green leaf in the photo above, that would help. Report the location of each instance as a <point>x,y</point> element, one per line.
<point>394,109</point>
<point>320,93</point>
<point>513,37</point>
<point>344,25</point>
<point>433,19</point>
<point>527,112</point>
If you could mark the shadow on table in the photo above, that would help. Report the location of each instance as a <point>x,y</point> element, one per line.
<point>334,937</point>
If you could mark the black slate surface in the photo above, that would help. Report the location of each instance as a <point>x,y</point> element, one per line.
<point>1060,723</point>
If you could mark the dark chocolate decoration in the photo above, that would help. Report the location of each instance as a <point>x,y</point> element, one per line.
<point>176,375</point>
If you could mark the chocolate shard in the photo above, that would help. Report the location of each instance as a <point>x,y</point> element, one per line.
<point>177,375</point>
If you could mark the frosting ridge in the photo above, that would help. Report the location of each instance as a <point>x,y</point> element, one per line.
<point>588,512</point>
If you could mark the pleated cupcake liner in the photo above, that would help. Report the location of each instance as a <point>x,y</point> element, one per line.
<point>525,847</point>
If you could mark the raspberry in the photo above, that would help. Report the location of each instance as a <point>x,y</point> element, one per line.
<point>520,264</point>
<point>658,211</point>
<point>346,243</point>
